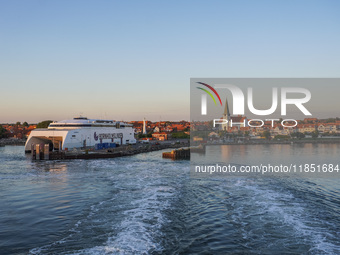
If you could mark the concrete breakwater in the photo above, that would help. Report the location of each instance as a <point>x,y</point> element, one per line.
<point>183,153</point>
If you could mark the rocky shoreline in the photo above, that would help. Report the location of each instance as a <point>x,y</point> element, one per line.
<point>12,141</point>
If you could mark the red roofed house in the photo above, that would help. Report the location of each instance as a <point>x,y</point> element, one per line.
<point>161,136</point>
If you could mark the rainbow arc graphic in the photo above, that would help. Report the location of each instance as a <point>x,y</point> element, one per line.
<point>209,93</point>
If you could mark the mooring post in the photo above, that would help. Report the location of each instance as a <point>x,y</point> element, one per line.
<point>46,151</point>
<point>34,154</point>
<point>37,151</point>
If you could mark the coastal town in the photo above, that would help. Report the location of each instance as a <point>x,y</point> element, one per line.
<point>268,130</point>
<point>167,130</point>
<point>17,133</point>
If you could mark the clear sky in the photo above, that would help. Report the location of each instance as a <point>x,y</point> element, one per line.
<point>132,59</point>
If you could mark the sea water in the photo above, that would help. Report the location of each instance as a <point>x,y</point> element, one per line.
<point>144,204</point>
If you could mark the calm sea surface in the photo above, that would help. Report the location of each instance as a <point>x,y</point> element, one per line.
<point>148,205</point>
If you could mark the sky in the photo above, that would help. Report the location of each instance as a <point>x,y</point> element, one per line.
<point>126,60</point>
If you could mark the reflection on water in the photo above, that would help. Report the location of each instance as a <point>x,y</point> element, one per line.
<point>148,205</point>
<point>270,153</point>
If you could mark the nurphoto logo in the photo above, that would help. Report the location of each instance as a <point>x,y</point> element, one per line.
<point>239,103</point>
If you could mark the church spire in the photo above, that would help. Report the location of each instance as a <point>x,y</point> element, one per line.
<point>226,115</point>
<point>226,109</point>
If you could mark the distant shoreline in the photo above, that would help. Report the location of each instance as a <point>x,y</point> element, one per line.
<point>15,141</point>
<point>256,142</point>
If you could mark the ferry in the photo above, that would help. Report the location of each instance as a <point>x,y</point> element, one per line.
<point>81,133</point>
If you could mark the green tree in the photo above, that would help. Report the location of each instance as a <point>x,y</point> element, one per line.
<point>2,132</point>
<point>149,135</point>
<point>315,134</point>
<point>222,133</point>
<point>266,134</point>
<point>18,124</point>
<point>298,135</point>
<point>44,124</point>
<point>180,135</point>
<point>329,120</point>
<point>25,124</point>
<point>211,123</point>
<point>281,137</point>
<point>141,136</point>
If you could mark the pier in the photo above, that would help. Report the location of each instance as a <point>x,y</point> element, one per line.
<point>41,152</point>
<point>183,153</point>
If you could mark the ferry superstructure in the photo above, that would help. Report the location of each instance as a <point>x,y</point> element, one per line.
<point>81,132</point>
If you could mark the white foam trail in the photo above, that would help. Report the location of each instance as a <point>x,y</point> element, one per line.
<point>284,207</point>
<point>141,214</point>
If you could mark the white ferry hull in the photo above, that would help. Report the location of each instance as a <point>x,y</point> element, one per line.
<point>82,137</point>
